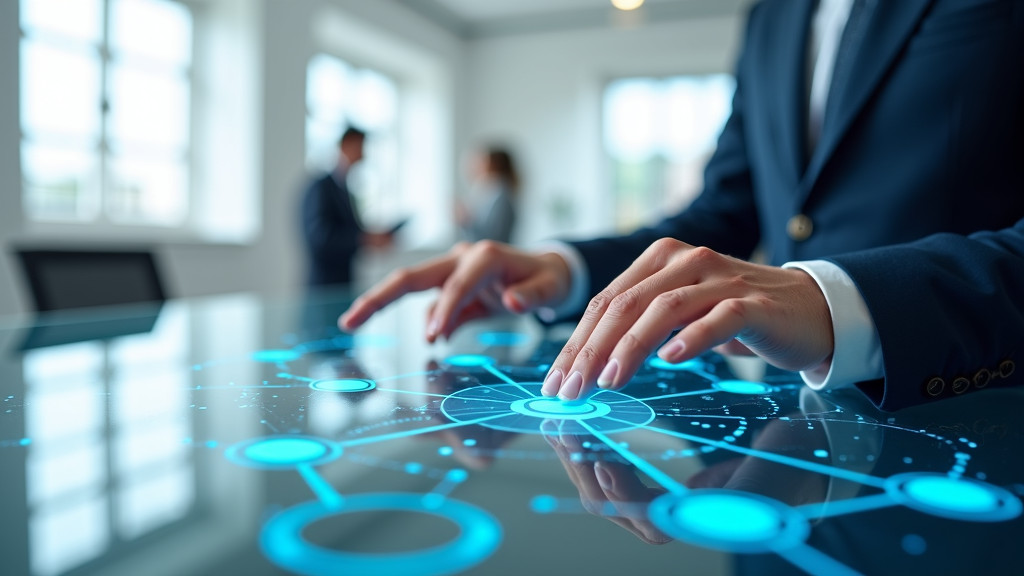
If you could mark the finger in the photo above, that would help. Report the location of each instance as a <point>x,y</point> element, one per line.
<point>474,272</point>
<point>536,291</point>
<point>667,312</point>
<point>734,348</point>
<point>561,379</point>
<point>430,274</point>
<point>723,323</point>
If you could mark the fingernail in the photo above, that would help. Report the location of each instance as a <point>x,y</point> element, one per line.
<point>571,387</point>
<point>671,351</point>
<point>607,376</point>
<point>604,478</point>
<point>433,328</point>
<point>551,383</point>
<point>519,298</point>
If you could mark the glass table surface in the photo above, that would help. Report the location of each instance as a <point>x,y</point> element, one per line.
<point>243,435</point>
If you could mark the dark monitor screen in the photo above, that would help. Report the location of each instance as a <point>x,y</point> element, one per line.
<point>64,279</point>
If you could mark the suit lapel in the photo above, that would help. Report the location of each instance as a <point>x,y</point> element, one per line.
<point>791,83</point>
<point>888,29</point>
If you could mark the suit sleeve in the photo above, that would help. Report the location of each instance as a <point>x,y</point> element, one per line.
<point>724,217</point>
<point>949,311</point>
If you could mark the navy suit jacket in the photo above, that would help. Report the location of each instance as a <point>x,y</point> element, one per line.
<point>926,137</point>
<point>332,231</point>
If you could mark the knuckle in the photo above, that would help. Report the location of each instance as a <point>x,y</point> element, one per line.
<point>669,302</point>
<point>625,304</point>
<point>588,355</point>
<point>488,248</point>
<point>630,343</point>
<point>735,307</point>
<point>400,277</point>
<point>598,304</point>
<point>703,255</point>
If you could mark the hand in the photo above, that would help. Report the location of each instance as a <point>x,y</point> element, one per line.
<point>607,488</point>
<point>719,302</point>
<point>378,239</point>
<point>476,280</point>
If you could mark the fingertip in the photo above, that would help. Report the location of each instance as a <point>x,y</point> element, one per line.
<point>552,383</point>
<point>673,351</point>
<point>570,389</point>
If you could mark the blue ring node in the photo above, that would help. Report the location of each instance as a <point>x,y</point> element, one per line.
<point>479,536</point>
<point>284,452</point>
<point>956,498</point>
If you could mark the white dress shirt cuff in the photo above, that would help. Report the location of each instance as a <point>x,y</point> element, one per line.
<point>579,283</point>
<point>858,352</point>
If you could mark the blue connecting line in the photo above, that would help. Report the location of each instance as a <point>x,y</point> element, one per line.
<point>676,395</point>
<point>403,434</point>
<point>501,375</point>
<point>814,561</point>
<point>324,491</point>
<point>772,457</point>
<point>411,392</point>
<point>851,506</point>
<point>660,477</point>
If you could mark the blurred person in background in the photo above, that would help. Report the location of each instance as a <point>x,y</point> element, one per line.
<point>331,226</point>
<point>490,211</point>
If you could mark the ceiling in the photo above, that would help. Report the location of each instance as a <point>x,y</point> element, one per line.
<point>483,18</point>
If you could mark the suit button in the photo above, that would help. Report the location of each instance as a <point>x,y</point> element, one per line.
<point>799,227</point>
<point>935,386</point>
<point>960,385</point>
<point>1006,368</point>
<point>982,378</point>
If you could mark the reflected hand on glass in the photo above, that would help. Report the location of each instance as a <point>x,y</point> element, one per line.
<point>476,280</point>
<point>717,301</point>
<point>607,489</point>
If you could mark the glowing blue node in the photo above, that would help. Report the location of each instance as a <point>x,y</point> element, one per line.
<point>343,385</point>
<point>479,536</point>
<point>521,408</point>
<point>742,387</point>
<point>276,356</point>
<point>544,504</point>
<point>282,452</point>
<point>502,339</point>
<point>469,360</point>
<point>914,545</point>
<point>457,475</point>
<point>687,366</point>
<point>956,498</point>
<point>729,520</point>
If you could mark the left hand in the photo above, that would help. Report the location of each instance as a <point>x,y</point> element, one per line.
<point>719,302</point>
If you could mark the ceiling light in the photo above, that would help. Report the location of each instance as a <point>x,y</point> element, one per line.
<point>627,4</point>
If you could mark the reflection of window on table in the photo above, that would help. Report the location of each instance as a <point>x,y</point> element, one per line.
<point>339,95</point>
<point>105,109</point>
<point>109,457</point>
<point>659,133</point>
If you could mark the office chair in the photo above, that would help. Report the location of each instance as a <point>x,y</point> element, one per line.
<point>66,279</point>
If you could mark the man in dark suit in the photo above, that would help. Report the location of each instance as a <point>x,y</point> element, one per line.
<point>330,222</point>
<point>908,124</point>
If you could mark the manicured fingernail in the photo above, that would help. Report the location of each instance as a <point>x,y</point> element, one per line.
<point>519,298</point>
<point>433,328</point>
<point>551,383</point>
<point>672,351</point>
<point>571,387</point>
<point>607,376</point>
<point>604,478</point>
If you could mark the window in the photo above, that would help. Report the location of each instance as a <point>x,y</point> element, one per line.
<point>339,95</point>
<point>105,111</point>
<point>659,133</point>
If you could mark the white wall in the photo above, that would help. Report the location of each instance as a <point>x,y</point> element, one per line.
<point>252,139</point>
<point>542,93</point>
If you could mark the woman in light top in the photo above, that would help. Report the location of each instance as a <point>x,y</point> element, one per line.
<point>490,211</point>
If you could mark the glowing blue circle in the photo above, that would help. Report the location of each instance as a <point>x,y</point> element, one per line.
<point>343,385</point>
<point>521,408</point>
<point>687,365</point>
<point>469,360</point>
<point>276,356</point>
<point>502,339</point>
<point>956,498</point>
<point>282,452</point>
<point>479,536</point>
<point>553,408</point>
<point>742,387</point>
<point>729,520</point>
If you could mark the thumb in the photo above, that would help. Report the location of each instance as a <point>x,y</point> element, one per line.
<point>533,292</point>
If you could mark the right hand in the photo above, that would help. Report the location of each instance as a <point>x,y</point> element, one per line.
<point>476,280</point>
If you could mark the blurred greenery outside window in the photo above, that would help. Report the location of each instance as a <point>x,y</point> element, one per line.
<point>659,133</point>
<point>105,111</point>
<point>339,95</point>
